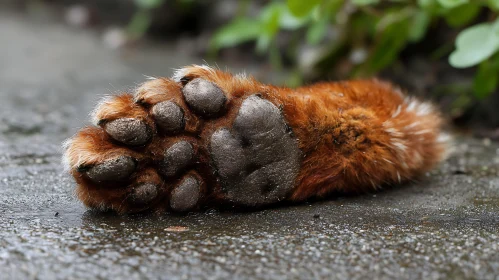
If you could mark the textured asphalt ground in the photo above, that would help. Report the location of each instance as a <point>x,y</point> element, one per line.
<point>444,226</point>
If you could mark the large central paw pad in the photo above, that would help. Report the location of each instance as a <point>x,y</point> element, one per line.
<point>177,144</point>
<point>257,160</point>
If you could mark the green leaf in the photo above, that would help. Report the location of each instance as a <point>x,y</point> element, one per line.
<point>449,4</point>
<point>493,5</point>
<point>302,8</point>
<point>388,46</point>
<point>495,27</point>
<point>270,25</point>
<point>316,31</point>
<point>149,4</point>
<point>364,2</point>
<point>238,31</point>
<point>462,15</point>
<point>362,26</point>
<point>419,25</point>
<point>431,6</point>
<point>486,79</point>
<point>263,43</point>
<point>474,45</point>
<point>287,20</point>
<point>426,4</point>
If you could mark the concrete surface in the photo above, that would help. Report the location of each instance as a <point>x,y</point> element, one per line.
<point>445,226</point>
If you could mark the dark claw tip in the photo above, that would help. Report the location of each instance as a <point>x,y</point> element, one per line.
<point>143,193</point>
<point>141,102</point>
<point>102,122</point>
<point>83,168</point>
<point>184,80</point>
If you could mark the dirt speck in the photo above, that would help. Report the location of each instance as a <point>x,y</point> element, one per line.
<point>176,229</point>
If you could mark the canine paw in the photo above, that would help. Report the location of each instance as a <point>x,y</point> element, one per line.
<point>180,144</point>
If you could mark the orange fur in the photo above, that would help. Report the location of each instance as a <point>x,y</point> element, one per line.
<point>354,136</point>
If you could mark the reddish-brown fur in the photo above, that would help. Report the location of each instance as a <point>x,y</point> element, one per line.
<point>354,136</point>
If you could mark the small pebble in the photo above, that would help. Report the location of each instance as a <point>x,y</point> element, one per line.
<point>176,229</point>
<point>487,142</point>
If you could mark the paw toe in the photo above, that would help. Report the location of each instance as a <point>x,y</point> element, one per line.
<point>252,159</point>
<point>178,157</point>
<point>143,194</point>
<point>186,195</point>
<point>258,116</point>
<point>204,97</point>
<point>168,116</point>
<point>117,169</point>
<point>129,131</point>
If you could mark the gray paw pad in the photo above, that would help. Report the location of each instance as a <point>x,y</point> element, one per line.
<point>116,169</point>
<point>186,195</point>
<point>177,158</point>
<point>129,131</point>
<point>257,160</point>
<point>143,194</point>
<point>204,97</point>
<point>168,116</point>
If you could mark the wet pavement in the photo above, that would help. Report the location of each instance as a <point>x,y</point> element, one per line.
<point>445,226</point>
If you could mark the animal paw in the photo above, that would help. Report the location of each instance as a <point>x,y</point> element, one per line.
<point>207,138</point>
<point>178,144</point>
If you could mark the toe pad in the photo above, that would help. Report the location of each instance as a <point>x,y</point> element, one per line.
<point>177,158</point>
<point>186,195</point>
<point>168,116</point>
<point>143,193</point>
<point>116,169</point>
<point>204,97</point>
<point>128,131</point>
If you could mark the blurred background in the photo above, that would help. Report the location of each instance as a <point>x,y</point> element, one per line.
<point>443,50</point>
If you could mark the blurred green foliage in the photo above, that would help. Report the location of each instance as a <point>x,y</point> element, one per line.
<point>382,28</point>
